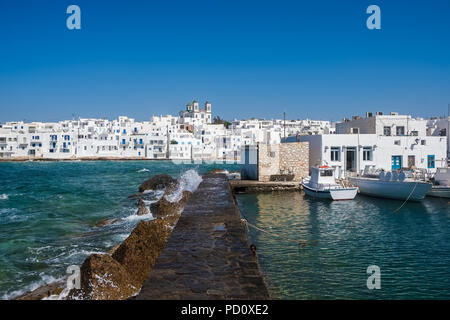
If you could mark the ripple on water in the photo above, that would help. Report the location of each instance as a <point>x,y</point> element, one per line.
<point>48,213</point>
<point>412,246</point>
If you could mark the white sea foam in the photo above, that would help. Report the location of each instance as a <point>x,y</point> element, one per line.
<point>135,217</point>
<point>82,253</point>
<point>45,280</point>
<point>4,196</point>
<point>189,181</point>
<point>144,170</point>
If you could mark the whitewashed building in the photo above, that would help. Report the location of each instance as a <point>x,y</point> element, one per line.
<point>440,127</point>
<point>389,142</point>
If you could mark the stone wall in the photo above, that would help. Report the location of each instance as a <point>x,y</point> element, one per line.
<point>294,159</point>
<point>285,159</point>
<point>268,161</point>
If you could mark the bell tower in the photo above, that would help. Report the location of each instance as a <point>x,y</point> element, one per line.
<point>195,104</point>
<point>208,106</point>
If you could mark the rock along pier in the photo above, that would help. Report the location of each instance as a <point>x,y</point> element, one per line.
<point>207,255</point>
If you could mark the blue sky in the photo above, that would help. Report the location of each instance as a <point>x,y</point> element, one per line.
<point>312,59</point>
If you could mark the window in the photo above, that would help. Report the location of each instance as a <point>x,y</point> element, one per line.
<point>400,131</point>
<point>430,162</point>
<point>423,142</point>
<point>397,142</point>
<point>367,154</point>
<point>415,133</point>
<point>355,130</point>
<point>326,173</point>
<point>335,154</point>
<point>387,131</point>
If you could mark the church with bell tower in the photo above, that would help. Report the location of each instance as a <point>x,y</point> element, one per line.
<point>194,115</point>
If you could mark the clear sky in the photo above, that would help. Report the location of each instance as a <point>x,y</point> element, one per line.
<point>314,59</point>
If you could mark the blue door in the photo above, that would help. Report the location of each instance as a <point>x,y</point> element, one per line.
<point>396,162</point>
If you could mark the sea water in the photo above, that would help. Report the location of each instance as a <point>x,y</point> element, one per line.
<point>343,238</point>
<point>49,212</point>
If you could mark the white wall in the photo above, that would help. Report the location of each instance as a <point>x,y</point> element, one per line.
<point>383,148</point>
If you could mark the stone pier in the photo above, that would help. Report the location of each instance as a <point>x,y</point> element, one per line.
<point>207,255</point>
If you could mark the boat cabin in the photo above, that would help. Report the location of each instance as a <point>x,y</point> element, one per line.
<point>323,175</point>
<point>442,176</point>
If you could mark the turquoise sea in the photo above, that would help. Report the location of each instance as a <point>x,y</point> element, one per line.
<point>48,212</point>
<point>411,247</point>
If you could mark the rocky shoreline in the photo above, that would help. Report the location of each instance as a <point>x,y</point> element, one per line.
<point>119,274</point>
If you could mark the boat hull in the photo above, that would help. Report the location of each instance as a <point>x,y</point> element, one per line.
<point>398,190</point>
<point>333,194</point>
<point>439,192</point>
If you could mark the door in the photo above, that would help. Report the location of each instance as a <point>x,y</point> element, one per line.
<point>411,161</point>
<point>350,162</point>
<point>396,162</point>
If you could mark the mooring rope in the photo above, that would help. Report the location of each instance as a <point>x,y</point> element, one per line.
<point>300,242</point>
<point>412,191</point>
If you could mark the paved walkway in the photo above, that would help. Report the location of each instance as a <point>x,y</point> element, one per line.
<point>207,256</point>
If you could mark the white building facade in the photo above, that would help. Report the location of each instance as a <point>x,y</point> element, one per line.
<point>189,136</point>
<point>388,142</point>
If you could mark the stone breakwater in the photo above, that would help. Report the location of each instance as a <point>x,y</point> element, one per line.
<point>207,256</point>
<point>120,273</point>
<point>202,253</point>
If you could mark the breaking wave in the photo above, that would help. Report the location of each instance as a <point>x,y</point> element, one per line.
<point>189,181</point>
<point>4,196</point>
<point>45,280</point>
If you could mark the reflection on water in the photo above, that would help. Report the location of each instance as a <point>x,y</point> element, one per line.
<point>411,247</point>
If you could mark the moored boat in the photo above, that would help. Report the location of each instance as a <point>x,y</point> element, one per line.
<point>322,184</point>
<point>441,184</point>
<point>392,185</point>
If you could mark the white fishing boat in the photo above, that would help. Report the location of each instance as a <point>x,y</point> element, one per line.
<point>322,184</point>
<point>441,184</point>
<point>392,185</point>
